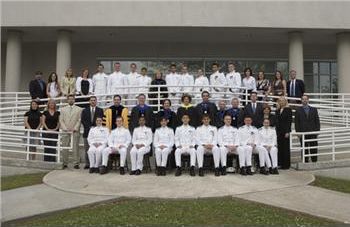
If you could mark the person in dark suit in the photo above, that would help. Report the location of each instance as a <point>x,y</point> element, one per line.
<point>187,108</point>
<point>168,114</point>
<point>141,109</point>
<point>236,113</point>
<point>255,110</point>
<point>295,87</point>
<point>88,120</point>
<point>207,107</point>
<point>307,120</point>
<point>268,115</point>
<point>221,114</point>
<point>283,128</point>
<point>37,87</point>
<point>163,91</point>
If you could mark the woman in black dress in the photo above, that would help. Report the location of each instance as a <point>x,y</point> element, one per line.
<point>163,91</point>
<point>50,122</point>
<point>84,86</point>
<point>32,120</point>
<point>168,114</point>
<point>188,108</point>
<point>283,129</point>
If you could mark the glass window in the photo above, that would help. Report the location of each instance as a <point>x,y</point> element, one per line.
<point>309,79</point>
<point>325,68</point>
<point>308,67</point>
<point>283,67</point>
<point>107,66</point>
<point>267,66</point>
<point>325,84</point>
<point>334,68</point>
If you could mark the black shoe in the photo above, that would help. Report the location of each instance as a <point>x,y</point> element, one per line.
<point>243,171</point>
<point>178,171</point>
<point>103,170</point>
<point>192,172</point>
<point>91,170</point>
<point>133,172</point>
<point>163,171</point>
<point>121,171</point>
<point>158,171</point>
<point>217,172</point>
<point>138,172</point>
<point>270,170</point>
<point>76,167</point>
<point>86,167</point>
<point>64,167</point>
<point>275,171</point>
<point>263,171</point>
<point>249,170</point>
<point>223,171</point>
<point>96,170</point>
<point>201,172</point>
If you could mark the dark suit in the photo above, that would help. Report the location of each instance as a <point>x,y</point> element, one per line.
<point>191,111</point>
<point>207,108</point>
<point>237,115</point>
<point>37,91</point>
<point>299,89</point>
<point>170,115</point>
<point>283,126</point>
<point>138,111</point>
<point>257,116</point>
<point>308,122</point>
<point>87,124</point>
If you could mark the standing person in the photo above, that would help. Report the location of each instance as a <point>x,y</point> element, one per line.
<point>268,115</point>
<point>278,86</point>
<point>143,81</point>
<point>98,139</point>
<point>168,114</point>
<point>248,83</point>
<point>68,83</point>
<point>50,122</point>
<point>207,107</point>
<point>118,142</point>
<point>188,109</point>
<point>234,79</point>
<point>207,140</point>
<point>117,110</point>
<point>307,120</point>
<point>236,113</point>
<point>84,86</point>
<point>172,80</point>
<point>70,122</point>
<point>217,79</point>
<point>116,82</point>
<point>37,87</point>
<point>255,110</point>
<point>99,80</point>
<point>163,143</point>
<point>163,91</point>
<point>32,120</point>
<point>185,142</point>
<point>295,87</point>
<point>186,81</point>
<point>221,114</point>
<point>141,110</point>
<point>141,140</point>
<point>262,85</point>
<point>53,88</point>
<point>131,81</point>
<point>88,120</point>
<point>283,128</point>
<point>201,84</point>
<point>228,142</point>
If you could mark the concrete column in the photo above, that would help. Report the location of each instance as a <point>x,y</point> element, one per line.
<point>63,54</point>
<point>296,55</point>
<point>343,62</point>
<point>13,61</point>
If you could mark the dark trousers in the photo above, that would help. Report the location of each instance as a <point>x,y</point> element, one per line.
<point>307,149</point>
<point>48,158</point>
<point>283,145</point>
<point>86,148</point>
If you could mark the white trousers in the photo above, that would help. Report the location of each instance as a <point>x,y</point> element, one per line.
<point>266,157</point>
<point>107,151</point>
<point>136,156</point>
<point>162,156</point>
<point>185,150</point>
<point>223,155</point>
<point>246,153</point>
<point>200,155</point>
<point>95,155</point>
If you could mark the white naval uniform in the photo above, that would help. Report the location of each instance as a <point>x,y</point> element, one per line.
<point>100,85</point>
<point>267,137</point>
<point>131,80</point>
<point>141,135</point>
<point>201,84</point>
<point>144,82</point>
<point>207,135</point>
<point>217,79</point>
<point>186,80</point>
<point>97,135</point>
<point>116,82</point>
<point>228,136</point>
<point>185,136</point>
<point>119,139</point>
<point>246,137</point>
<point>78,85</point>
<point>172,81</point>
<point>163,136</point>
<point>234,81</point>
<point>250,83</point>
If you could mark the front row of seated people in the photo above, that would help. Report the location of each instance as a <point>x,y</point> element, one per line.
<point>205,140</point>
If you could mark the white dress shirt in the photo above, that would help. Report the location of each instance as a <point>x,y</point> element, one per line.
<point>249,83</point>
<point>185,136</point>
<point>131,80</point>
<point>115,83</point>
<point>78,85</point>
<point>142,135</point>
<point>119,136</point>
<point>201,84</point>
<point>172,79</point>
<point>98,134</point>
<point>186,80</point>
<point>100,83</point>
<point>234,80</point>
<point>164,136</point>
<point>218,79</point>
<point>228,135</point>
<point>206,135</point>
<point>267,137</point>
<point>247,135</point>
<point>144,82</point>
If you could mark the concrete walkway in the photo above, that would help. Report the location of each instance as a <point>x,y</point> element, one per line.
<point>339,173</point>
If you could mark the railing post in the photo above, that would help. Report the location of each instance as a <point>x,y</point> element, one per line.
<point>246,96</point>
<point>58,147</point>
<point>158,97</point>
<point>303,148</point>
<point>28,142</point>
<point>333,147</point>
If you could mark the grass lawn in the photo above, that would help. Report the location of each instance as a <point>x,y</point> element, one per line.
<point>17,181</point>
<point>199,212</point>
<point>332,184</point>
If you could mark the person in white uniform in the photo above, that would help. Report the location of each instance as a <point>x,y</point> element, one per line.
<point>186,81</point>
<point>141,140</point>
<point>267,147</point>
<point>116,82</point>
<point>131,80</point>
<point>247,135</point>
<point>100,83</point>
<point>163,143</point>
<point>118,142</point>
<point>228,142</point>
<point>248,83</point>
<point>185,141</point>
<point>97,139</point>
<point>172,80</point>
<point>234,79</point>
<point>217,79</point>
<point>206,137</point>
<point>201,84</point>
<point>144,82</point>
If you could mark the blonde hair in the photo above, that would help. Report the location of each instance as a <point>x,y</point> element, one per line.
<point>51,101</point>
<point>280,100</point>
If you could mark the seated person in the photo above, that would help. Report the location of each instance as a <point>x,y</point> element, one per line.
<point>141,110</point>
<point>118,142</point>
<point>97,139</point>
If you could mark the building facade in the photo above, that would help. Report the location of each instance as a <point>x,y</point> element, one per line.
<point>312,38</point>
